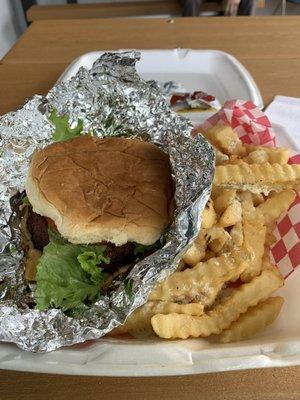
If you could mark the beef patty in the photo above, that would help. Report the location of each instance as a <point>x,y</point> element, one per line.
<point>38,229</point>
<point>119,255</point>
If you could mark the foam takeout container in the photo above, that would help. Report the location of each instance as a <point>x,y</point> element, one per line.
<point>276,346</point>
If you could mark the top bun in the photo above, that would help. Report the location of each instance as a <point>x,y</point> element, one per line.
<point>114,189</point>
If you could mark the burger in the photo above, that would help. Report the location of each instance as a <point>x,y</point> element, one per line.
<point>94,206</point>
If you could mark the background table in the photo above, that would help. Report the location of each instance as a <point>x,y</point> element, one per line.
<point>269,48</point>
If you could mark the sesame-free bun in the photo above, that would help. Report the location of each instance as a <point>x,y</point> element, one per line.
<point>114,189</point>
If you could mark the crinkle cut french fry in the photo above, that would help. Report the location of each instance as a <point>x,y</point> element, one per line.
<point>254,320</point>
<point>140,319</point>
<point>216,238</point>
<point>257,178</point>
<point>209,216</point>
<point>220,157</point>
<point>195,254</point>
<point>172,326</point>
<point>208,255</point>
<point>216,245</point>
<point>257,198</point>
<point>215,235</point>
<point>266,256</point>
<point>274,206</point>
<point>270,237</point>
<point>225,139</point>
<point>266,263</point>
<point>216,232</point>
<point>258,156</point>
<point>232,214</point>
<point>245,195</point>
<point>237,234</point>
<point>204,281</point>
<point>254,239</point>
<point>197,251</point>
<point>235,159</point>
<point>224,199</point>
<point>275,155</point>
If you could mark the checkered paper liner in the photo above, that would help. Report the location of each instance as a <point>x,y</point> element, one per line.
<point>249,122</point>
<point>254,127</point>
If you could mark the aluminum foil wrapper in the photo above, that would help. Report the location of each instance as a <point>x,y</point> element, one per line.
<point>112,100</point>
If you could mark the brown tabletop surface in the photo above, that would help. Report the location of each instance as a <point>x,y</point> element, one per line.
<point>269,48</point>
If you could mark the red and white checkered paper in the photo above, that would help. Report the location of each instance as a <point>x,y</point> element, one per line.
<point>254,127</point>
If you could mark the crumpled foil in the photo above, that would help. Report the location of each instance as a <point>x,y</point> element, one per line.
<point>112,100</point>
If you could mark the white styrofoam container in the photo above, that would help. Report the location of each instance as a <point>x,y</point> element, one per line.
<point>211,71</point>
<point>278,345</point>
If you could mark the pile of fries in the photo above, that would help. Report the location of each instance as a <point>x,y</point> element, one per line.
<point>226,280</point>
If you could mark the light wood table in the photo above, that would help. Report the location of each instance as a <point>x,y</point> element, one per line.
<point>269,48</point>
<point>105,10</point>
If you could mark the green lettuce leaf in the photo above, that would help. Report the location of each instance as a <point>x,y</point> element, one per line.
<point>55,237</point>
<point>89,261</point>
<point>63,131</point>
<point>68,276</point>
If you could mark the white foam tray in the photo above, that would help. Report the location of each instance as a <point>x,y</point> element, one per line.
<point>211,71</point>
<point>278,345</point>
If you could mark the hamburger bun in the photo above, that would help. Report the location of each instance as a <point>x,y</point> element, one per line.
<point>113,189</point>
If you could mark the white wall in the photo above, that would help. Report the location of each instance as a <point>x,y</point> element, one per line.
<point>12,24</point>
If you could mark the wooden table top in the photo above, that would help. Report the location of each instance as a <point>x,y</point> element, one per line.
<point>269,48</point>
<point>104,10</point>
